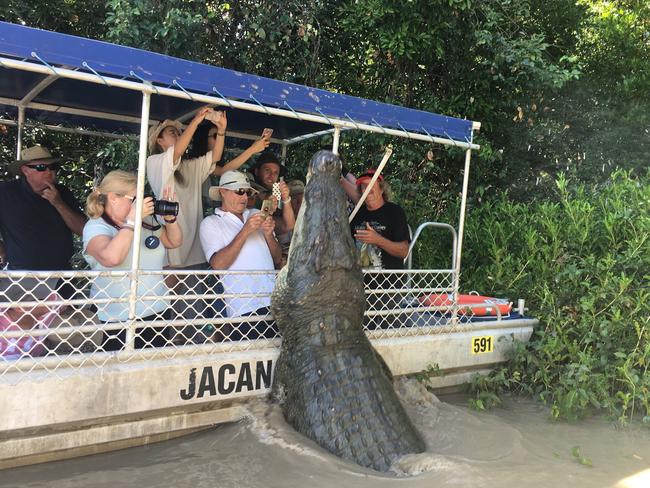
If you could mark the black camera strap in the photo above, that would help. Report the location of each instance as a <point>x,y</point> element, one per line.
<point>112,223</point>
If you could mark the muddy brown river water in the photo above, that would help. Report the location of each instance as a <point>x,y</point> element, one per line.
<point>514,446</point>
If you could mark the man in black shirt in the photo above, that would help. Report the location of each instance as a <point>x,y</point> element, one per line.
<point>37,216</point>
<point>381,232</point>
<point>380,227</point>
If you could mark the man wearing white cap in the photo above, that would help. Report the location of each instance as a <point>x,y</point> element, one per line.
<point>37,215</point>
<point>241,238</point>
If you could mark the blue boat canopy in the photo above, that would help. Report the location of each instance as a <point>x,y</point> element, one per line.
<point>64,100</point>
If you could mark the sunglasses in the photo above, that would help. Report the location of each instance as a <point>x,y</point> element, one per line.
<point>249,192</point>
<point>44,167</point>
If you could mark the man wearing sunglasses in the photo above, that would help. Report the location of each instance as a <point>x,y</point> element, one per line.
<point>37,215</point>
<point>268,170</point>
<point>240,238</point>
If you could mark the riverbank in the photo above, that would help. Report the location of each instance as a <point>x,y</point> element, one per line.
<point>581,258</point>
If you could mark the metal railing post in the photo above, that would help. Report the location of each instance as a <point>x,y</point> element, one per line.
<point>137,231</point>
<point>19,138</point>
<point>409,257</point>
<point>283,154</point>
<point>461,226</point>
<point>336,139</point>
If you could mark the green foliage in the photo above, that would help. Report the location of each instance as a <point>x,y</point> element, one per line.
<point>611,29</point>
<point>558,86</point>
<point>431,371</point>
<point>69,16</point>
<point>173,27</point>
<point>583,263</point>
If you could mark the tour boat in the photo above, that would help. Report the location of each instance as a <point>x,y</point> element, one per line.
<point>70,397</point>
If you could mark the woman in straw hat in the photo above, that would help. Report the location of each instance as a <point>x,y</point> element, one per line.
<point>166,168</point>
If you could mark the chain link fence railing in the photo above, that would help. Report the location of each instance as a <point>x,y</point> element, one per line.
<point>53,322</point>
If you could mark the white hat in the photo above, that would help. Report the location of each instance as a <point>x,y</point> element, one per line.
<point>155,130</point>
<point>230,180</point>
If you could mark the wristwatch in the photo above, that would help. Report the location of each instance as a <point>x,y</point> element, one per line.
<point>128,224</point>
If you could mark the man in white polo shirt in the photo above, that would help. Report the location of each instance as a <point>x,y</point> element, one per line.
<point>240,238</point>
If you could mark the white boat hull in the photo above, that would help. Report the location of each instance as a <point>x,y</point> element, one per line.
<point>85,410</point>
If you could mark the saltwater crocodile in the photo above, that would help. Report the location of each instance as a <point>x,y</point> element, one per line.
<point>332,385</point>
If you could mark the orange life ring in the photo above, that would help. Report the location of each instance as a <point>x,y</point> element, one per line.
<point>490,304</point>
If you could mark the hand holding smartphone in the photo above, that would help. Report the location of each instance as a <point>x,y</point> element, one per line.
<point>267,207</point>
<point>267,133</point>
<point>214,116</point>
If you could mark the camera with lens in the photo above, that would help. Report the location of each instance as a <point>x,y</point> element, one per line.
<point>164,207</point>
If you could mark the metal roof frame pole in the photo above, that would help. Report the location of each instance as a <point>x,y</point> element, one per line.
<point>461,226</point>
<point>283,154</point>
<point>19,137</point>
<point>336,139</point>
<point>137,230</point>
<point>177,93</point>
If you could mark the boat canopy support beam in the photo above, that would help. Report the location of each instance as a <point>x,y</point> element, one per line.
<point>336,139</point>
<point>137,231</point>
<point>461,220</point>
<point>201,98</point>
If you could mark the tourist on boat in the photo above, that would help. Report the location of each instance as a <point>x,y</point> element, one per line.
<point>269,171</point>
<point>238,238</point>
<point>381,232</point>
<point>166,167</point>
<point>381,225</point>
<point>296,192</point>
<point>33,209</point>
<point>34,206</point>
<point>108,246</point>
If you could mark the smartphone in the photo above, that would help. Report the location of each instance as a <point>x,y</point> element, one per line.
<point>267,133</point>
<point>214,116</point>
<point>267,207</point>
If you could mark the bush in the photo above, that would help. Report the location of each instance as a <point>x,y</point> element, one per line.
<point>583,263</point>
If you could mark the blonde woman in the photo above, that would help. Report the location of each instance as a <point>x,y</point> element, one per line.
<point>108,246</point>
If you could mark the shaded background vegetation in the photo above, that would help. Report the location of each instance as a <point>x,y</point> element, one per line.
<point>561,88</point>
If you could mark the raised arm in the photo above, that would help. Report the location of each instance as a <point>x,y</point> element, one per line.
<point>350,189</point>
<point>172,235</point>
<point>257,147</point>
<point>112,251</point>
<point>287,210</point>
<point>221,125</point>
<point>73,219</point>
<point>186,137</point>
